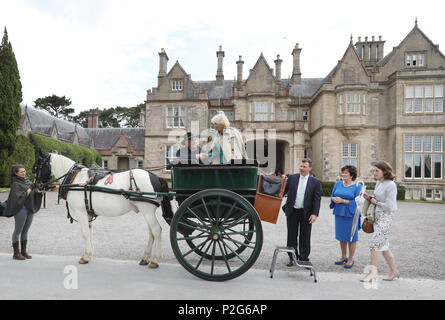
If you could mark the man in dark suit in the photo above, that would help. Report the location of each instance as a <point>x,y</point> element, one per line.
<point>302,209</point>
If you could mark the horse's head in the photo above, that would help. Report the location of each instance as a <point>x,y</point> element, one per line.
<point>42,168</point>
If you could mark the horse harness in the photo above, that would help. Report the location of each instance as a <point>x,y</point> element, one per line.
<point>95,173</point>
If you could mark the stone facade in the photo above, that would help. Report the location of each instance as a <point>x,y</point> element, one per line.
<point>369,107</point>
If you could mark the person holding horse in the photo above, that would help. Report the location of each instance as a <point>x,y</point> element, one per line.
<point>23,202</point>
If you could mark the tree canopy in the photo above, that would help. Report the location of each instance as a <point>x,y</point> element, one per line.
<point>10,99</point>
<point>118,117</point>
<point>56,106</point>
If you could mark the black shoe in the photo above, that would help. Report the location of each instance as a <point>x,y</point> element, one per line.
<point>290,263</point>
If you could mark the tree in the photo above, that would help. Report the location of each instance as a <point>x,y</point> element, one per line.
<point>56,106</point>
<point>10,99</point>
<point>113,117</point>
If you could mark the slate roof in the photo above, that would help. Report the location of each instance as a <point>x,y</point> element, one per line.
<point>214,91</point>
<point>306,88</point>
<point>42,123</point>
<point>105,138</point>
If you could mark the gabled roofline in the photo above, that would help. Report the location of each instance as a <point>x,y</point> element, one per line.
<point>388,57</point>
<point>256,65</point>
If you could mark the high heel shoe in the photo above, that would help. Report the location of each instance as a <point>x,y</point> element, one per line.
<point>371,276</point>
<point>395,277</point>
<point>342,262</point>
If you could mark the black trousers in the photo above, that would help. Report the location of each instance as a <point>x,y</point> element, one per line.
<point>299,234</point>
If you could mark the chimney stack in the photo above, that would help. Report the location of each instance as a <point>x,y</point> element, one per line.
<point>93,120</point>
<point>240,64</point>
<point>220,73</point>
<point>296,74</point>
<point>163,61</point>
<point>278,63</point>
<point>372,51</point>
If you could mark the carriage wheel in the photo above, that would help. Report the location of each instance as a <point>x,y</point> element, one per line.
<point>227,235</point>
<point>248,230</point>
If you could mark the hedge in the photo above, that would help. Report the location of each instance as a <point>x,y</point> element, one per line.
<point>328,186</point>
<point>24,155</point>
<point>79,154</point>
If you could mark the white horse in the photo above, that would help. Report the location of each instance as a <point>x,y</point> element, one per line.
<point>110,205</point>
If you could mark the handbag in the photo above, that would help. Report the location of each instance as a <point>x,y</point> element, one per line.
<point>367,226</point>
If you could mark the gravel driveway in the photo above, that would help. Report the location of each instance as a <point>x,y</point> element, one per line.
<point>417,239</point>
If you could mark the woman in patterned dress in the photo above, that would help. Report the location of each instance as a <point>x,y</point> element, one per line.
<point>386,204</point>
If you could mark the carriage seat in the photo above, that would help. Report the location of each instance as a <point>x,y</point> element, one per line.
<point>98,173</point>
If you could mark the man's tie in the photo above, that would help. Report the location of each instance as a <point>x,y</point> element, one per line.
<point>302,191</point>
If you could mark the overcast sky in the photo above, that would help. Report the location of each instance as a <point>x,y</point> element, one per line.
<point>104,53</point>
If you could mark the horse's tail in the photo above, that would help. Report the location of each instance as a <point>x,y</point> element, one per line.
<point>161,185</point>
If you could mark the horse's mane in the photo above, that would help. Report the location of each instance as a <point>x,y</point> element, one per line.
<point>59,161</point>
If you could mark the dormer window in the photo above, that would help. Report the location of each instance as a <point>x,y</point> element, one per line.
<point>177,85</point>
<point>415,60</point>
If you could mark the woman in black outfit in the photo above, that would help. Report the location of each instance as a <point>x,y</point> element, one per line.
<point>23,202</point>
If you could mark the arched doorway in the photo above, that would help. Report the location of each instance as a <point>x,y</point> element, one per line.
<point>123,163</point>
<point>280,159</point>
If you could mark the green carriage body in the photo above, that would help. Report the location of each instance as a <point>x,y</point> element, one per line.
<point>216,233</point>
<point>199,177</point>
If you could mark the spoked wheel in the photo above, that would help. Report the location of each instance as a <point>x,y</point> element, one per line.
<point>227,235</point>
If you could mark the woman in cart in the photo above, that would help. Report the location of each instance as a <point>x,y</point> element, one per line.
<point>226,142</point>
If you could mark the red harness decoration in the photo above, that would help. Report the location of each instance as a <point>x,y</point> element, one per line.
<point>109,179</point>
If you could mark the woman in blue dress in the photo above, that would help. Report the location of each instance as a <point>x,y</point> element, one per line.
<point>343,202</point>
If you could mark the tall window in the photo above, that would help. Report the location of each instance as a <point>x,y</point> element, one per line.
<point>291,115</point>
<point>175,117</point>
<point>424,99</point>
<point>177,85</point>
<point>170,154</point>
<point>423,157</point>
<point>415,60</point>
<point>262,111</point>
<point>349,154</point>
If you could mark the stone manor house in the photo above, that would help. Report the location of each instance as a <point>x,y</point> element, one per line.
<point>369,107</point>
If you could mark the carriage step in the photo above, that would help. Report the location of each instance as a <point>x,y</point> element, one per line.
<point>294,258</point>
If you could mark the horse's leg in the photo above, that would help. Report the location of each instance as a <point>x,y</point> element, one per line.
<point>149,210</point>
<point>87,236</point>
<point>148,250</point>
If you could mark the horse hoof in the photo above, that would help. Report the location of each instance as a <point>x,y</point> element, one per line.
<point>83,261</point>
<point>143,263</point>
<point>153,265</point>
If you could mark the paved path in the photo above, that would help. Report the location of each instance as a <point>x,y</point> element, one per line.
<point>417,241</point>
<point>44,277</point>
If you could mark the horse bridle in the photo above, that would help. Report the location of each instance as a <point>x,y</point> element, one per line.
<point>43,164</point>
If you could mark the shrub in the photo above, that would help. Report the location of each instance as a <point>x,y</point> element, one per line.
<point>79,154</point>
<point>24,155</point>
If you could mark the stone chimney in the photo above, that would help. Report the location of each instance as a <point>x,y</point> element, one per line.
<point>220,73</point>
<point>278,63</point>
<point>163,61</point>
<point>93,120</point>
<point>240,64</point>
<point>296,74</point>
<point>370,52</point>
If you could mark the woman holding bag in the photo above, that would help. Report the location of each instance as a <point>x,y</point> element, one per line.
<point>23,202</point>
<point>385,201</point>
<point>343,202</point>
